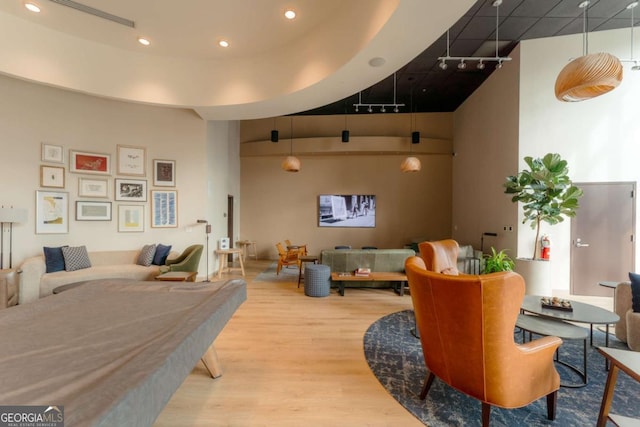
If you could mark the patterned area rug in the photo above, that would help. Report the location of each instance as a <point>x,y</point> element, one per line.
<point>287,274</point>
<point>395,357</point>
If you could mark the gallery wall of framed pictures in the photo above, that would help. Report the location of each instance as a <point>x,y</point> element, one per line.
<point>99,185</point>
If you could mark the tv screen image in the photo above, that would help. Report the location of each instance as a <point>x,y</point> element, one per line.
<point>347,210</point>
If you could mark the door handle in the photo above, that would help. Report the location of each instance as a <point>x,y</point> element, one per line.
<point>579,244</point>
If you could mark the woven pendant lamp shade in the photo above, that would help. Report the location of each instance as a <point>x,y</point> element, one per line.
<point>588,76</point>
<point>411,164</point>
<point>291,164</point>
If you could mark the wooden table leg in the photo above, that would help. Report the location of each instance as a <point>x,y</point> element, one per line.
<point>241,265</point>
<point>211,362</point>
<point>220,265</point>
<point>607,396</point>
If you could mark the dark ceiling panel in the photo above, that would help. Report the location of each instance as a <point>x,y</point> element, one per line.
<point>546,26</point>
<point>424,87</point>
<point>535,8</point>
<point>514,27</point>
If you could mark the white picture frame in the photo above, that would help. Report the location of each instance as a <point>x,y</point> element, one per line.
<point>164,208</point>
<point>90,163</point>
<point>51,176</point>
<point>131,160</point>
<point>130,190</point>
<point>52,212</point>
<point>52,153</point>
<point>93,187</point>
<point>130,218</point>
<point>93,211</point>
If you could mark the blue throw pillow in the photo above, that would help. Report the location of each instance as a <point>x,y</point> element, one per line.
<point>635,291</point>
<point>53,259</point>
<point>162,252</point>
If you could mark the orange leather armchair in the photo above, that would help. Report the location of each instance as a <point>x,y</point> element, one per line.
<point>440,256</point>
<point>466,326</point>
<point>287,257</point>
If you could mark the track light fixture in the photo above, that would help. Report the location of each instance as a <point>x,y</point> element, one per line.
<point>481,59</point>
<point>635,67</point>
<point>383,107</point>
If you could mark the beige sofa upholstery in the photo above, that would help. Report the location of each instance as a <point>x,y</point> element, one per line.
<point>9,282</point>
<point>36,283</point>
<point>628,328</point>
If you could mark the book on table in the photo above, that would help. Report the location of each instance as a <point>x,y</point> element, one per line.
<point>363,272</point>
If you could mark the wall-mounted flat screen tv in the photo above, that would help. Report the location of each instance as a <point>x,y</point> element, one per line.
<point>347,210</point>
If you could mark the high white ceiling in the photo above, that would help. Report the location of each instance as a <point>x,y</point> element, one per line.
<point>273,66</point>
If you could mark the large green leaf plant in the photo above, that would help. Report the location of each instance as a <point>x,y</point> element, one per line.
<point>546,192</point>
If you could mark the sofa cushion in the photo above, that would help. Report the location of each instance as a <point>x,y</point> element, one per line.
<point>75,258</point>
<point>146,255</point>
<point>635,291</point>
<point>162,251</point>
<point>53,259</point>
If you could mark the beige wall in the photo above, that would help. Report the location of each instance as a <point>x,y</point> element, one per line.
<point>278,205</point>
<point>31,114</point>
<point>486,147</point>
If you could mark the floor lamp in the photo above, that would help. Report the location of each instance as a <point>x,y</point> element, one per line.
<point>9,216</point>
<point>207,231</point>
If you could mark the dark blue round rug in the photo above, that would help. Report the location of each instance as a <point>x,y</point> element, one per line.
<point>395,357</point>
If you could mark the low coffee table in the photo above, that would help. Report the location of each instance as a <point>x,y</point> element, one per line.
<point>553,327</point>
<point>178,276</point>
<point>582,313</point>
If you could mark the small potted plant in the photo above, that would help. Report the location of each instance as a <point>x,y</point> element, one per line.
<point>497,261</point>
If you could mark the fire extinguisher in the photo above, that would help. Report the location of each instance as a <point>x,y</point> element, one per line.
<point>545,244</point>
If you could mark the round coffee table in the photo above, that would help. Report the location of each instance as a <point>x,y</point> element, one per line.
<point>582,313</point>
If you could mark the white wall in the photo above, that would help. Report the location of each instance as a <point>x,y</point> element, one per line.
<point>600,137</point>
<point>31,114</point>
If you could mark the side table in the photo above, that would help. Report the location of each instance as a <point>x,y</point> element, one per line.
<point>178,276</point>
<point>248,248</point>
<point>627,361</point>
<point>224,263</point>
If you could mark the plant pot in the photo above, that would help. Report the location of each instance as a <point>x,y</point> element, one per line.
<point>536,274</point>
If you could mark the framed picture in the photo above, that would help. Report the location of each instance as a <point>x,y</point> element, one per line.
<point>130,218</point>
<point>52,153</point>
<point>164,173</point>
<point>131,160</point>
<point>52,212</point>
<point>93,187</point>
<point>131,190</point>
<point>93,211</point>
<point>346,210</point>
<point>164,208</point>
<point>83,162</point>
<point>51,176</point>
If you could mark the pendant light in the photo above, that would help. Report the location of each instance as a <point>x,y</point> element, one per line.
<point>291,163</point>
<point>590,75</point>
<point>411,163</point>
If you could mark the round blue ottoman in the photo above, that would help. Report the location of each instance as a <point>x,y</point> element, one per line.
<point>317,280</point>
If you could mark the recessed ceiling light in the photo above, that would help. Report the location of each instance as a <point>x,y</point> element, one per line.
<point>377,61</point>
<point>290,14</point>
<point>143,41</point>
<point>32,7</point>
<point>223,43</point>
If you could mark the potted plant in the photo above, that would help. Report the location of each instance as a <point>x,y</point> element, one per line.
<point>497,261</point>
<point>547,194</point>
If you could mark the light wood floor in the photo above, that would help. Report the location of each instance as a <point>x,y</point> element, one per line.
<point>292,360</point>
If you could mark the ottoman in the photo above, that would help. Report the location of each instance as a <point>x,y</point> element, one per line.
<point>317,280</point>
